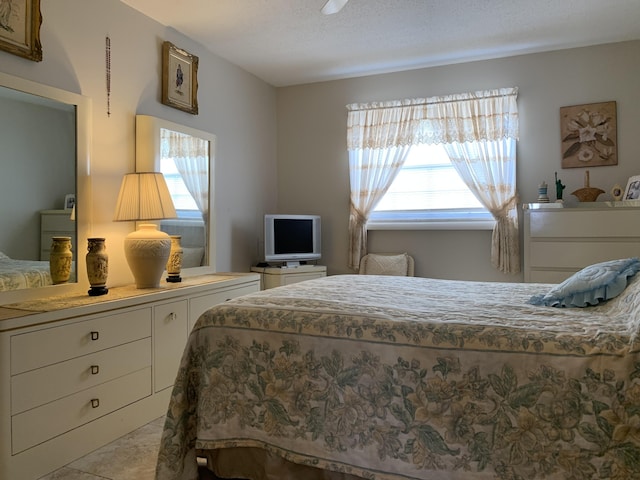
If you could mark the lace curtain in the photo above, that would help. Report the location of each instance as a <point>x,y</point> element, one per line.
<point>479,129</point>
<point>191,157</point>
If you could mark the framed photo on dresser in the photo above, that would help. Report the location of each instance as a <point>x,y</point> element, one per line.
<point>632,192</point>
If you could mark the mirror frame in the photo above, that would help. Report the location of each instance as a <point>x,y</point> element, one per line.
<point>148,160</point>
<point>82,106</point>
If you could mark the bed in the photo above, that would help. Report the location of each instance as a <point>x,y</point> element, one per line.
<point>397,378</point>
<point>17,274</point>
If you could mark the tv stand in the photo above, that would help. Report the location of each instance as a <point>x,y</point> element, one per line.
<point>271,277</point>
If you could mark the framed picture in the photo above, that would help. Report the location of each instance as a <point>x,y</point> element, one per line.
<point>20,22</point>
<point>588,133</point>
<point>69,201</point>
<point>632,192</point>
<point>179,78</point>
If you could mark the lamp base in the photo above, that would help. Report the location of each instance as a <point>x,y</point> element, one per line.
<point>147,251</point>
<point>174,278</point>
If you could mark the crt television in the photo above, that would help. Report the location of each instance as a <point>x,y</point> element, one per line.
<point>291,238</point>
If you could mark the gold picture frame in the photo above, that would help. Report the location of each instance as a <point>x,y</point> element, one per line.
<point>589,135</point>
<point>20,22</point>
<point>179,78</point>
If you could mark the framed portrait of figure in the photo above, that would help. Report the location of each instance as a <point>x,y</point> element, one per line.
<point>179,78</point>
<point>20,22</point>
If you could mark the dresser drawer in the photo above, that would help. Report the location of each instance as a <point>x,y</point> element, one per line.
<point>199,305</point>
<point>170,331</point>
<point>47,421</point>
<point>44,385</point>
<point>59,221</point>
<point>56,344</point>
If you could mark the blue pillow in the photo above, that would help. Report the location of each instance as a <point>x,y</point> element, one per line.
<point>591,285</point>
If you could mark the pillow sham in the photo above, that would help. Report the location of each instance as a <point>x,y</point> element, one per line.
<point>591,285</point>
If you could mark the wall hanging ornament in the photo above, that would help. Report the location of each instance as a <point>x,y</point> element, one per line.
<point>174,264</point>
<point>60,259</point>
<point>108,73</point>
<point>588,133</point>
<point>97,261</point>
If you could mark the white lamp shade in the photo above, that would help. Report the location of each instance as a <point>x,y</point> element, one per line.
<point>144,196</point>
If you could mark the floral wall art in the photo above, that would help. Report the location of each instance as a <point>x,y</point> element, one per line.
<point>589,135</point>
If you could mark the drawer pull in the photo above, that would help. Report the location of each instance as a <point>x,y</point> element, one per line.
<point>172,316</point>
<point>95,369</point>
<point>95,402</point>
<point>95,335</point>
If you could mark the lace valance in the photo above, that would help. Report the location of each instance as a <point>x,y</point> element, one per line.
<point>459,118</point>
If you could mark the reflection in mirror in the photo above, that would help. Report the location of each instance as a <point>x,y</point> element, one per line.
<point>185,156</point>
<point>44,158</point>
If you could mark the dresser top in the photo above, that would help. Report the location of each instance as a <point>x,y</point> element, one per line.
<point>56,307</point>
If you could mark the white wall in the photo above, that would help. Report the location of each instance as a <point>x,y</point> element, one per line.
<point>312,156</point>
<point>234,105</point>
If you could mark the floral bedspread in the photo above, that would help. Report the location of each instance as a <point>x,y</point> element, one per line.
<point>393,378</point>
<point>16,274</point>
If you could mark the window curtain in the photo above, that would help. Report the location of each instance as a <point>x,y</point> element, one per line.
<point>191,157</point>
<point>379,138</point>
<point>479,130</point>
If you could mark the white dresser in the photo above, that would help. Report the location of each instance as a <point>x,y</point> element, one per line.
<point>271,277</point>
<point>560,241</point>
<point>56,223</point>
<point>78,372</point>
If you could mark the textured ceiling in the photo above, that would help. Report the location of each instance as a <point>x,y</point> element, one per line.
<point>289,42</point>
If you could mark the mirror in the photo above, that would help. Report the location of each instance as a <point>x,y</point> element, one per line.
<point>185,156</point>
<point>45,162</point>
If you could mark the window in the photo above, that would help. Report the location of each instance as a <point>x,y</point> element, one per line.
<point>182,200</point>
<point>428,190</point>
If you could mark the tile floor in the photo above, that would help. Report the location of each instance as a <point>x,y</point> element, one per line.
<point>131,457</point>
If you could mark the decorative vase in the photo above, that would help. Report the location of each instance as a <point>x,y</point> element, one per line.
<point>60,259</point>
<point>174,264</point>
<point>147,252</point>
<point>97,266</point>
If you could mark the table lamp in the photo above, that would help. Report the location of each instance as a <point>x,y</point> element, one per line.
<point>144,196</point>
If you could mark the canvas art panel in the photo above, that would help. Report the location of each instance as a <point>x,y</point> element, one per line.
<point>20,22</point>
<point>589,135</point>
<point>179,78</point>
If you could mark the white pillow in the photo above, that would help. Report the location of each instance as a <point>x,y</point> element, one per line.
<point>591,285</point>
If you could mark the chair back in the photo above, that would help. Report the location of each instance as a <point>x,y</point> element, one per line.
<point>399,264</point>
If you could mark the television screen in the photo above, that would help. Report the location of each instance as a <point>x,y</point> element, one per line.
<point>292,235</point>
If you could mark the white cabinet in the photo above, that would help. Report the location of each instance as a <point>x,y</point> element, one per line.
<point>78,372</point>
<point>560,241</point>
<point>56,223</point>
<point>271,277</point>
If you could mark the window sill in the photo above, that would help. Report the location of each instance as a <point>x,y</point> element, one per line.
<point>435,225</point>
